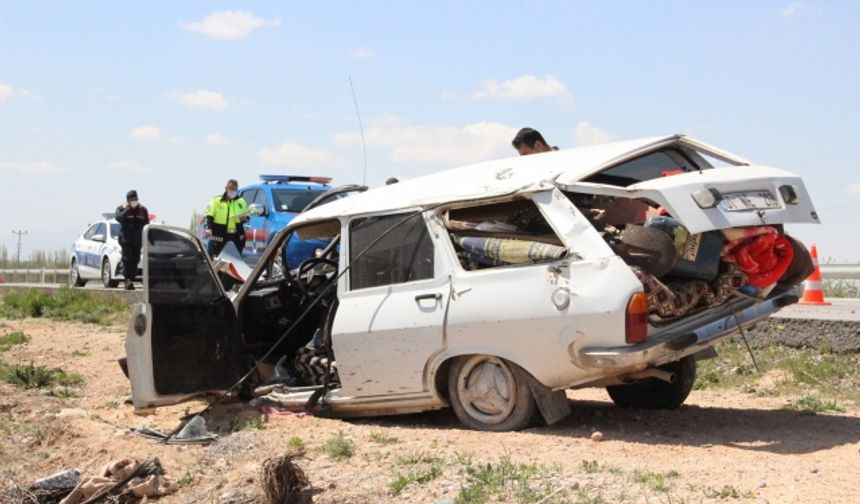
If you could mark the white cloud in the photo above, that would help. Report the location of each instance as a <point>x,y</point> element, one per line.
<point>145,132</point>
<point>586,134</point>
<point>791,9</point>
<point>202,98</point>
<point>33,168</point>
<point>440,145</point>
<point>363,53</point>
<point>217,140</point>
<point>291,155</point>
<point>853,189</point>
<point>526,87</point>
<point>8,91</point>
<point>229,24</point>
<point>126,166</point>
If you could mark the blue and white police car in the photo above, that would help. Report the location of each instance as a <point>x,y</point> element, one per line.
<point>96,254</point>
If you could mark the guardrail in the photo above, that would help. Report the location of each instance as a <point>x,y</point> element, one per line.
<point>42,275</point>
<point>840,271</point>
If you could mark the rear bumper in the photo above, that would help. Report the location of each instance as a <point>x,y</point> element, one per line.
<point>684,338</point>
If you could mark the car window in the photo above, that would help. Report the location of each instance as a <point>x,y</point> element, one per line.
<point>405,254</point>
<point>88,234</point>
<point>293,200</point>
<point>260,199</point>
<point>657,164</point>
<point>248,195</point>
<point>178,272</point>
<point>100,229</point>
<point>502,234</point>
<point>114,229</point>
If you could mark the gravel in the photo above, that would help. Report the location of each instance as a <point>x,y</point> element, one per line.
<point>836,335</point>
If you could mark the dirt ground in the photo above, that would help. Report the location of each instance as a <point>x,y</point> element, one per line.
<point>722,445</point>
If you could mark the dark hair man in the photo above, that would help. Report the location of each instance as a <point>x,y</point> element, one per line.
<point>132,217</point>
<point>224,219</point>
<point>530,141</point>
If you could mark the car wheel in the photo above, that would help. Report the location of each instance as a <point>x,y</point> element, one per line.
<point>107,280</point>
<point>653,393</point>
<point>75,279</point>
<point>486,395</point>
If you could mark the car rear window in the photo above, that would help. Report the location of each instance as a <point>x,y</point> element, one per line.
<point>650,166</point>
<point>293,200</point>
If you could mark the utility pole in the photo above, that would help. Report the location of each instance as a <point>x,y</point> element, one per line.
<point>18,259</point>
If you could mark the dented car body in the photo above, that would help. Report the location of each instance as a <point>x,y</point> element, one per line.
<point>491,288</point>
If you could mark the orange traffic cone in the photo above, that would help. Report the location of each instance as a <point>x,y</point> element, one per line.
<point>813,293</point>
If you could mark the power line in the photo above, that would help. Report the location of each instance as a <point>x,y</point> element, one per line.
<point>18,258</point>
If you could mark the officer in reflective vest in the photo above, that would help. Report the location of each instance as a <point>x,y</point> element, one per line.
<point>224,219</point>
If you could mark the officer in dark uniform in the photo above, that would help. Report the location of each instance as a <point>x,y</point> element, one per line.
<point>132,217</point>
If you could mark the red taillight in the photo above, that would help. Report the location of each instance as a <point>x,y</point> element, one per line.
<point>636,323</point>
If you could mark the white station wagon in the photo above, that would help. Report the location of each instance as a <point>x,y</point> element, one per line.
<point>491,288</point>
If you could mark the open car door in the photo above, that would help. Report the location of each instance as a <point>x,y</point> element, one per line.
<point>184,338</point>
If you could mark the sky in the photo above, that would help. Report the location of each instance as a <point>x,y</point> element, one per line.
<point>173,98</point>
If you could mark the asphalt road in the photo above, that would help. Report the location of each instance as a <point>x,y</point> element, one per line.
<point>847,309</point>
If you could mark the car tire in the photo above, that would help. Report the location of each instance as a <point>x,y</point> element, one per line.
<point>486,394</point>
<point>107,278</point>
<point>75,279</point>
<point>653,393</point>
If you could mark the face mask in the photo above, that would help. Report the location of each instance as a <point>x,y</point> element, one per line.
<point>231,194</point>
<point>134,204</point>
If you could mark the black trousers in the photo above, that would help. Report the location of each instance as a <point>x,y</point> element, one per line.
<point>217,245</point>
<point>130,258</point>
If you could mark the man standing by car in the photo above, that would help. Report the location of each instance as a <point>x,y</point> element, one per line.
<point>530,141</point>
<point>224,219</point>
<point>132,217</point>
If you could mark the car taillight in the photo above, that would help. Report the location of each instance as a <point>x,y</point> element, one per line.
<point>636,322</point>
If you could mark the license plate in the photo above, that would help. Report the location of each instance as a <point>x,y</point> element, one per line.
<point>748,200</point>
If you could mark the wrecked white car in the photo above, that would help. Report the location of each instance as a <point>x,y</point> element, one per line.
<point>490,288</point>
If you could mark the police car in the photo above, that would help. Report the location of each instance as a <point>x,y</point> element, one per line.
<point>272,204</point>
<point>96,254</point>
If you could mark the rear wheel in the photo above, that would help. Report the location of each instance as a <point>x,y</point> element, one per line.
<point>75,279</point>
<point>486,394</point>
<point>653,393</point>
<point>107,278</point>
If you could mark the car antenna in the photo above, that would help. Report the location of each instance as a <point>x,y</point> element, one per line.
<point>360,129</point>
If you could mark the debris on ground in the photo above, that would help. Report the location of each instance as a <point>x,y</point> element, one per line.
<point>284,482</point>
<point>122,478</point>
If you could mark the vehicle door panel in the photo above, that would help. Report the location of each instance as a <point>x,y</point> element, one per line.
<point>185,337</point>
<point>385,332</point>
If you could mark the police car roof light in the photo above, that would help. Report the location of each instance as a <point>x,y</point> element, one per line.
<point>286,179</point>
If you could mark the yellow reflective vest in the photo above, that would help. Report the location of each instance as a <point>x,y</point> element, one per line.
<point>225,215</point>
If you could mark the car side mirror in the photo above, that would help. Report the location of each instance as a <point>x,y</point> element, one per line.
<point>98,237</point>
<point>256,209</point>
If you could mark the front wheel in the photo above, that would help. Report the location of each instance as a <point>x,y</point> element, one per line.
<point>107,278</point>
<point>75,279</point>
<point>486,394</point>
<point>653,393</point>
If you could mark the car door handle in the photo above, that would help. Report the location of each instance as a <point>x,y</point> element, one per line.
<point>435,296</point>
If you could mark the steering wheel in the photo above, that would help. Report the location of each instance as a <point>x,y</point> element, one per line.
<point>303,278</point>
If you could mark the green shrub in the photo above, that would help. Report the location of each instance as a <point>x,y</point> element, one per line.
<point>7,341</point>
<point>64,304</point>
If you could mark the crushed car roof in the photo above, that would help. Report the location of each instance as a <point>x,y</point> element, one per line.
<point>500,177</point>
